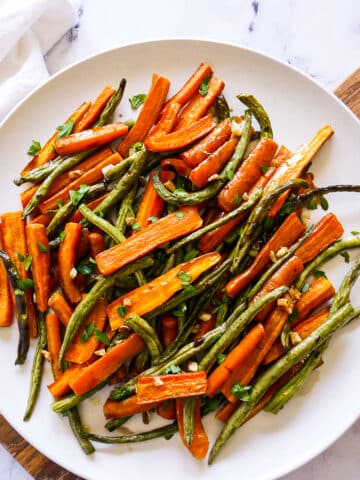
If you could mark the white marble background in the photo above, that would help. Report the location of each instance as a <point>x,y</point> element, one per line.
<point>320,37</point>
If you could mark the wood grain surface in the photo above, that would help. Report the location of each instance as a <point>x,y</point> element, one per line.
<point>40,467</point>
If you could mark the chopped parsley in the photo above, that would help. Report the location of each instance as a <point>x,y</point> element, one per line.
<point>305,287</point>
<point>264,168</point>
<point>77,195</point>
<point>355,233</point>
<point>185,278</point>
<point>220,358</point>
<point>136,226</point>
<point>319,274</point>
<point>237,199</point>
<point>34,148</point>
<point>293,316</point>
<point>27,262</point>
<point>90,330</point>
<point>204,87</point>
<point>345,256</point>
<point>87,266</point>
<point>25,284</point>
<point>324,203</point>
<point>153,219</point>
<point>62,235</point>
<point>122,309</point>
<point>241,392</point>
<point>172,369</point>
<point>42,248</point>
<point>137,100</point>
<point>20,257</point>
<point>179,215</point>
<point>65,129</point>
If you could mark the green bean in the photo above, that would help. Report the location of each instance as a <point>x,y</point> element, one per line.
<point>147,333</point>
<point>21,307</point>
<point>217,223</point>
<point>101,223</point>
<point>222,312</point>
<point>37,367</point>
<point>119,169</point>
<point>170,263</point>
<point>77,428</point>
<point>166,431</point>
<point>301,200</point>
<point>124,209</point>
<point>111,105</point>
<point>342,296</point>
<point>39,173</point>
<point>115,423</point>
<point>83,309</point>
<point>259,113</point>
<point>188,418</point>
<point>222,109</point>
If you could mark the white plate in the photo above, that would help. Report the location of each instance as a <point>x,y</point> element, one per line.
<point>268,446</point>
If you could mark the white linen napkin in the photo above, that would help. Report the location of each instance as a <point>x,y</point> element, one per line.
<point>28,29</point>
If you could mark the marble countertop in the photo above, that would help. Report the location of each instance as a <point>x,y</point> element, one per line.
<point>321,38</point>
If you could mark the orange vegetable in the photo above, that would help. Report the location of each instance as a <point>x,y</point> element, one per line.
<point>181,138</point>
<point>326,232</point>
<point>61,386</point>
<point>67,259</point>
<point>106,365</point>
<point>167,410</point>
<point>168,330</point>
<point>200,104</point>
<point>174,225</point>
<point>148,115</point>
<point>283,155</point>
<point>53,335</point>
<point>6,305</point>
<point>234,359</point>
<point>39,249</point>
<point>200,443</point>
<point>204,327</point>
<point>44,219</point>
<point>83,244</point>
<point>96,243</point>
<point>126,408</point>
<point>248,173</point>
<point>153,294</point>
<point>88,139</point>
<point>119,376</point>
<point>95,109</point>
<point>202,174</point>
<point>178,165</point>
<point>201,150</point>
<point>92,205</point>
<point>226,411</point>
<point>320,291</point>
<point>287,233</point>
<point>167,120</point>
<point>61,308</point>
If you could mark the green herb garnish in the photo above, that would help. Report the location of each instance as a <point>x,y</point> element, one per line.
<point>122,309</point>
<point>42,248</point>
<point>34,148</point>
<point>241,392</point>
<point>345,256</point>
<point>137,100</point>
<point>65,129</point>
<point>172,369</point>
<point>204,87</point>
<point>77,195</point>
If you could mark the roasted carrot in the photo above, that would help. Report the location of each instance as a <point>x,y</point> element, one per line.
<point>44,219</point>
<point>226,411</point>
<point>282,156</point>
<point>126,408</point>
<point>39,249</point>
<point>204,327</point>
<point>326,232</point>
<point>320,291</point>
<point>207,145</point>
<point>61,386</point>
<point>200,442</point>
<point>178,165</point>
<point>287,233</point>
<point>92,205</point>
<point>61,308</point>
<point>248,173</point>
<point>88,139</point>
<point>101,369</point>
<point>53,335</point>
<point>168,330</point>
<point>181,138</point>
<point>174,225</point>
<point>212,165</point>
<point>67,259</point>
<point>234,359</point>
<point>167,410</point>
<point>153,294</point>
<point>95,109</point>
<point>167,120</point>
<point>96,243</point>
<point>200,104</point>
<point>148,115</point>
<point>119,376</point>
<point>83,244</point>
<point>6,304</point>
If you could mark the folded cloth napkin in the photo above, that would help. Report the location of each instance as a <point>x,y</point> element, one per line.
<point>28,29</point>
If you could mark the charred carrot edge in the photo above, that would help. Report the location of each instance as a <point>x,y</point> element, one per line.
<point>181,138</point>
<point>174,225</point>
<point>168,330</point>
<point>153,294</point>
<point>320,291</point>
<point>88,139</point>
<point>95,109</point>
<point>148,115</point>
<point>167,410</point>
<point>204,327</point>
<point>286,235</point>
<point>96,243</point>
<point>61,308</point>
<point>6,304</point>
<point>39,249</point>
<point>61,386</point>
<point>126,408</point>
<point>234,359</point>
<point>200,104</point>
<point>119,376</point>
<point>200,443</point>
<point>167,120</point>
<point>248,173</point>
<point>67,259</point>
<point>53,335</point>
<point>326,232</point>
<point>207,145</point>
<point>83,244</point>
<point>178,165</point>
<point>212,165</point>
<point>92,205</point>
<point>101,369</point>
<point>47,151</point>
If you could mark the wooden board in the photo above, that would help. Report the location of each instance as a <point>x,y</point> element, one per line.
<point>34,462</point>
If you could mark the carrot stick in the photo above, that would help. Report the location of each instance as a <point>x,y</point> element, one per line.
<point>200,443</point>
<point>226,411</point>
<point>61,386</point>
<point>286,235</point>
<point>283,155</point>
<point>167,410</point>
<point>126,408</point>
<point>204,327</point>
<point>101,369</point>
<point>96,243</point>
<point>168,330</point>
<point>92,205</point>
<point>119,376</point>
<point>153,294</point>
<point>83,244</point>
<point>95,109</point>
<point>148,115</point>
<point>47,152</point>
<point>92,138</point>
<point>174,225</point>
<point>61,308</point>
<point>81,351</point>
<point>39,249</point>
<point>167,120</point>
<point>44,219</point>
<point>320,291</point>
<point>53,335</point>
<point>207,145</point>
<point>200,104</point>
<point>14,240</point>
<point>181,138</point>
<point>201,174</point>
<point>150,389</point>
<point>234,359</point>
<point>178,165</point>
<point>248,173</point>
<point>326,232</point>
<point>6,304</point>
<point>67,259</point>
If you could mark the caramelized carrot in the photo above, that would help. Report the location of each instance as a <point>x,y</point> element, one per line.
<point>67,259</point>
<point>286,235</point>
<point>83,244</point>
<point>167,410</point>
<point>320,291</point>
<point>92,205</point>
<point>174,225</point>
<point>101,369</point>
<point>126,408</point>
<point>248,173</point>
<point>6,304</point>
<point>168,330</point>
<point>53,335</point>
<point>148,115</point>
<point>96,243</point>
<point>167,120</point>
<point>61,308</point>
<point>153,294</point>
<point>119,376</point>
<point>283,155</point>
<point>178,165</point>
<point>226,411</point>
<point>39,249</point>
<point>43,218</point>
<point>95,109</point>
<point>200,442</point>
<point>61,386</point>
